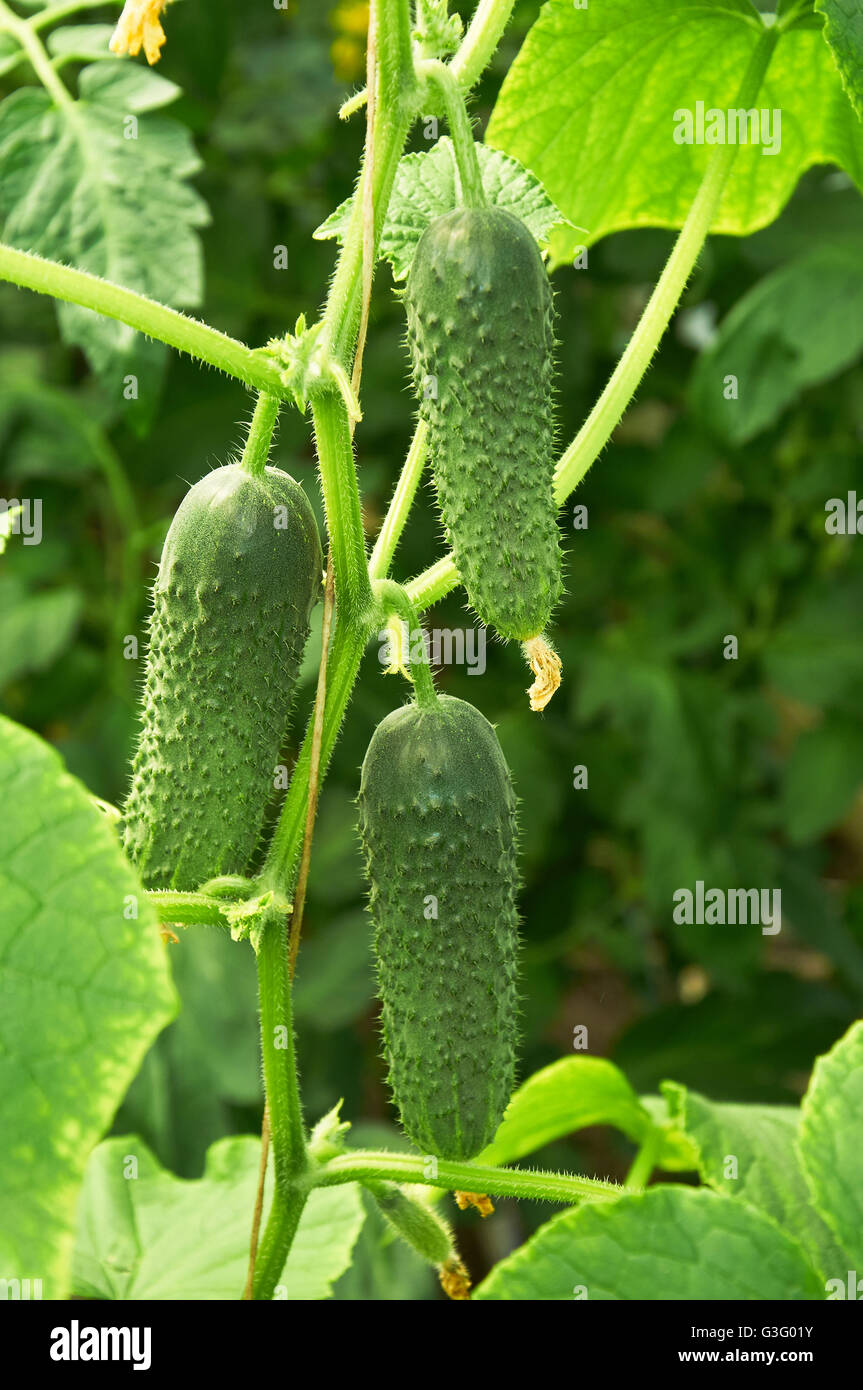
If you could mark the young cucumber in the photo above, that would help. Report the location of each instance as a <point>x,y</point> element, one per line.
<point>239,575</point>
<point>437,820</point>
<point>480,331</point>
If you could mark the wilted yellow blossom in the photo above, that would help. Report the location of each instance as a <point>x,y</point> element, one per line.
<point>139,26</point>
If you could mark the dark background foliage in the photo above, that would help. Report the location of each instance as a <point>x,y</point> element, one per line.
<point>741,772</point>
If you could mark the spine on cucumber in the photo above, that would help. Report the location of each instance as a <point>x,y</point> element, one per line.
<point>438,825</point>
<point>239,575</point>
<point>480,328</point>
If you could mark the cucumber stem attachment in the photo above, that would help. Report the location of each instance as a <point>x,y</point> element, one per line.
<point>393,599</point>
<point>461,131</point>
<point>260,435</point>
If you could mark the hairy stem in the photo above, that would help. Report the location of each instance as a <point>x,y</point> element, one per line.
<point>260,436</point>
<point>399,508</point>
<point>482,38</point>
<point>314,774</point>
<point>342,506</point>
<point>348,647</point>
<point>155,320</point>
<point>395,102</point>
<point>461,131</point>
<point>362,1165</point>
<point>392,599</point>
<point>187,909</point>
<point>283,1103</point>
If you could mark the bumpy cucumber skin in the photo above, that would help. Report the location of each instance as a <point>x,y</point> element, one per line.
<point>480,323</point>
<point>231,609</point>
<point>437,817</point>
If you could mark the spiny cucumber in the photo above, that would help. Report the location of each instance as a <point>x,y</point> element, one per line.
<point>438,825</point>
<point>480,330</point>
<point>239,575</point>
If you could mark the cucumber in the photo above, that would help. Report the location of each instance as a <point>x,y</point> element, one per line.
<point>438,826</point>
<point>480,329</point>
<point>239,575</point>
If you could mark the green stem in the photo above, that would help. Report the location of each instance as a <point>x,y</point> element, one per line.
<point>155,320</point>
<point>43,18</point>
<point>284,851</point>
<point>399,508</point>
<point>24,33</point>
<point>276,1243</point>
<point>187,909</point>
<point>440,578</point>
<point>260,435</point>
<point>433,584</point>
<point>342,505</point>
<point>290,1163</point>
<point>397,90</point>
<point>482,38</point>
<point>461,131</point>
<point>392,599</point>
<point>363,1165</point>
<point>645,1160</point>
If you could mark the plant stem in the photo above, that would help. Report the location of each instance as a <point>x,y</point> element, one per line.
<point>314,774</point>
<point>396,97</point>
<point>260,436</point>
<point>342,506</point>
<point>283,1102</point>
<point>399,508</point>
<point>461,131</point>
<point>482,38</point>
<point>348,647</point>
<point>187,908</point>
<point>43,18</point>
<point>146,315</point>
<point>259,1205</point>
<point>645,1160</point>
<point>392,598</point>
<point>23,33</point>
<point>430,586</point>
<point>433,584</point>
<point>362,1165</point>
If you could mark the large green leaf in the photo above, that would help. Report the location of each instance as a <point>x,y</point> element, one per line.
<point>831,1143</point>
<point>85,990</point>
<point>797,327</point>
<point>101,184</point>
<point>665,1244</point>
<point>589,107</point>
<point>750,1152</point>
<point>843,30</point>
<point>145,1234</point>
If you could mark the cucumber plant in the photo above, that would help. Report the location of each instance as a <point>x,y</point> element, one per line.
<point>241,572</point>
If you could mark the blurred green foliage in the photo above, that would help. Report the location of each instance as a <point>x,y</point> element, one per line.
<point>742,773</point>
